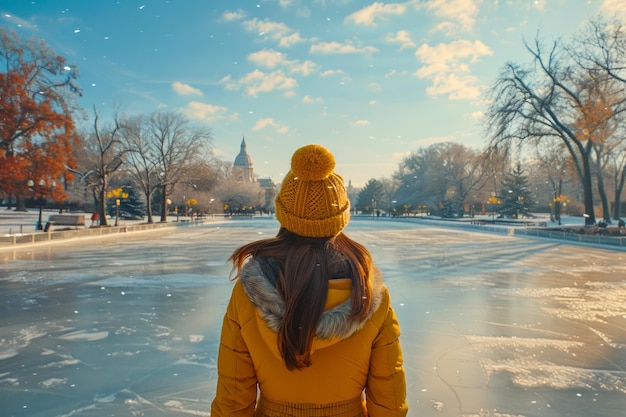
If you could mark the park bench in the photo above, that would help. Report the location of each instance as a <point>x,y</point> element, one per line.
<point>65,220</point>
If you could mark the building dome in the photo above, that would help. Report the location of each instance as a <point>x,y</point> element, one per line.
<point>243,159</point>
<point>243,167</point>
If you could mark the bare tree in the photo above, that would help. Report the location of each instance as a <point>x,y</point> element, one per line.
<point>600,48</point>
<point>390,186</point>
<point>544,101</point>
<point>464,171</point>
<point>601,111</point>
<point>103,155</point>
<point>617,168</point>
<point>165,148</point>
<point>443,173</point>
<point>554,161</point>
<point>239,197</point>
<point>141,162</point>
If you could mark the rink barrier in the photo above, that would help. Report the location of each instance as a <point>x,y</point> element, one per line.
<point>52,235</point>
<point>617,242</point>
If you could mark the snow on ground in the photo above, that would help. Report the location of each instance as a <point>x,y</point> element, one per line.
<point>492,325</point>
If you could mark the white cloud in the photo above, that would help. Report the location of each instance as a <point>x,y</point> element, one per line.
<point>203,111</point>
<point>456,86</point>
<point>340,48</point>
<point>361,123</point>
<point>448,66</point>
<point>258,81</point>
<point>267,58</point>
<point>328,73</point>
<point>367,15</point>
<point>309,99</point>
<point>292,39</point>
<point>462,12</point>
<point>263,123</point>
<point>185,89</point>
<point>270,123</point>
<point>273,30</point>
<point>271,59</point>
<point>229,16</point>
<point>305,68</point>
<point>402,37</point>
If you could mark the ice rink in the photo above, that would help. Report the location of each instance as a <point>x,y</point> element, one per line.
<point>492,325</point>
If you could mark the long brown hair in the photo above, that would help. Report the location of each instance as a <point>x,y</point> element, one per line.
<point>306,265</point>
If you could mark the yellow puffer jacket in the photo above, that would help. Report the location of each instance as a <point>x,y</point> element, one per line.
<point>356,367</point>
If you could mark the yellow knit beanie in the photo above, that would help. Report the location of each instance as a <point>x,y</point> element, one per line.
<point>312,200</point>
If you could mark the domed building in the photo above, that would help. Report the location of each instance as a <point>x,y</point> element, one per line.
<point>243,173</point>
<point>243,168</point>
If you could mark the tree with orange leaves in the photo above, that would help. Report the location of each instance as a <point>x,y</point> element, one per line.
<point>37,131</point>
<point>602,105</point>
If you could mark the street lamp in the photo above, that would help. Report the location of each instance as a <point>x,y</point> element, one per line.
<point>117,194</point>
<point>493,200</point>
<point>41,191</point>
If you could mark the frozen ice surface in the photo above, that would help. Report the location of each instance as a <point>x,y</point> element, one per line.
<point>492,325</point>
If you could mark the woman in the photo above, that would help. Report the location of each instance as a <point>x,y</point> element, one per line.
<point>309,330</point>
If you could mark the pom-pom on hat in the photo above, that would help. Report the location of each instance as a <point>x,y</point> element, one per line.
<point>312,200</point>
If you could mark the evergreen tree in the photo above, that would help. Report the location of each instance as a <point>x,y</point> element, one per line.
<point>372,197</point>
<point>131,205</point>
<point>517,199</point>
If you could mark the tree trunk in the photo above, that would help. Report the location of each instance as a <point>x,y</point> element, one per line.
<point>590,217</point>
<point>96,206</point>
<point>20,203</point>
<point>617,209</point>
<point>103,204</point>
<point>619,186</point>
<point>606,210</point>
<point>164,205</point>
<point>9,201</point>
<point>149,207</point>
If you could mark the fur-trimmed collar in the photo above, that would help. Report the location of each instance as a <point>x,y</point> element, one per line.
<point>258,277</point>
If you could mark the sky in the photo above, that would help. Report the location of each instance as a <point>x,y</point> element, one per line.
<point>372,81</point>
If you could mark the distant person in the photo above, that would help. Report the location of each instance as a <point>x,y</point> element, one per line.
<point>94,219</point>
<point>309,330</point>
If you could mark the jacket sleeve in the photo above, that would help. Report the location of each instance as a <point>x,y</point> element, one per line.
<point>236,378</point>
<point>386,383</point>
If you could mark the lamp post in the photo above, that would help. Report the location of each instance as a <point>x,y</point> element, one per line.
<point>117,194</point>
<point>42,190</point>
<point>117,211</point>
<point>493,200</point>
